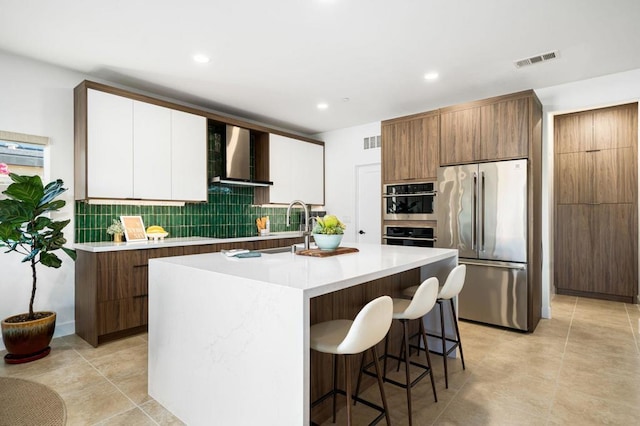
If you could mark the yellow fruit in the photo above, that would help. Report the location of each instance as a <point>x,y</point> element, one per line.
<point>155,229</point>
<point>330,221</point>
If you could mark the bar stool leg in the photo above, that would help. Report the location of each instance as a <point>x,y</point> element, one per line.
<point>455,322</point>
<point>423,333</point>
<point>444,344</point>
<point>364,356</point>
<point>380,384</point>
<point>405,341</point>
<point>347,370</point>
<point>386,349</point>
<point>335,384</point>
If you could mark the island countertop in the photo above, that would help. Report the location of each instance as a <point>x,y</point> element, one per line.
<point>229,337</point>
<point>317,275</point>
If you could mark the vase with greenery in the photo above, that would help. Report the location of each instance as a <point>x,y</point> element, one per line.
<point>27,229</point>
<point>328,232</point>
<point>116,229</point>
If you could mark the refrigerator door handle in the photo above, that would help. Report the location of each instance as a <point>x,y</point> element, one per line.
<point>483,210</point>
<point>474,211</point>
<point>504,265</point>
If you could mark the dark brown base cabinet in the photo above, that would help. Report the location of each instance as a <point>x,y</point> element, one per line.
<point>111,288</point>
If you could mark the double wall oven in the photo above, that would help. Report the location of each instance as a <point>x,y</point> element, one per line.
<point>409,213</point>
<point>417,236</point>
<point>409,201</point>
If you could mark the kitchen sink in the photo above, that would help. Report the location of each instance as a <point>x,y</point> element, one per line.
<point>287,249</point>
<point>276,250</point>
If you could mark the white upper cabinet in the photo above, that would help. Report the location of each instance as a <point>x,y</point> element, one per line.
<point>143,151</point>
<point>189,156</point>
<point>296,169</point>
<point>151,151</point>
<point>109,146</point>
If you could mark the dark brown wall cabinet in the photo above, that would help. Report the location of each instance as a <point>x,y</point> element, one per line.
<point>410,148</point>
<point>492,129</point>
<point>596,183</point>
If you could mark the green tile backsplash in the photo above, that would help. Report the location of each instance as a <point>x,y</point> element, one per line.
<point>228,213</point>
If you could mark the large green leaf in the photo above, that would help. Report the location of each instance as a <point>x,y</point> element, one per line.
<point>8,232</point>
<point>28,191</point>
<point>51,191</point>
<point>39,224</point>
<point>50,207</point>
<point>15,212</point>
<point>70,252</point>
<point>59,225</point>
<point>50,259</point>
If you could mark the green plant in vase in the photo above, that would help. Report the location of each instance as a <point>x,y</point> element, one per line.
<point>117,230</point>
<point>27,229</point>
<point>328,232</point>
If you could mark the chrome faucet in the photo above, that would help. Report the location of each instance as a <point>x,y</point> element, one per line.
<point>307,231</point>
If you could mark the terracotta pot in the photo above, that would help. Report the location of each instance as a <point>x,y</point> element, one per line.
<point>28,340</point>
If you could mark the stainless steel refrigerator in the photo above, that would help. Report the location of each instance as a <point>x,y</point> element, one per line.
<point>482,212</point>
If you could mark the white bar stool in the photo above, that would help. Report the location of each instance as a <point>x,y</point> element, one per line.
<point>407,310</point>
<point>452,287</point>
<point>346,337</point>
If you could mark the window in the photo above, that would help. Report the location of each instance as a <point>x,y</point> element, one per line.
<point>21,154</point>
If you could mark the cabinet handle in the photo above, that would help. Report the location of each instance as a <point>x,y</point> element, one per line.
<point>140,266</point>
<point>140,296</point>
<point>592,150</point>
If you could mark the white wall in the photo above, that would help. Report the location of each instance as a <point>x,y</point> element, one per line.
<point>38,99</point>
<point>344,150</point>
<point>587,94</point>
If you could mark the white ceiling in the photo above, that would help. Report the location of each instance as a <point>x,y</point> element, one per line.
<point>273,61</point>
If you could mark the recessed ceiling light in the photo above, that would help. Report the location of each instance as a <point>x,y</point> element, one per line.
<point>431,76</point>
<point>201,59</point>
<point>345,99</point>
<point>323,105</point>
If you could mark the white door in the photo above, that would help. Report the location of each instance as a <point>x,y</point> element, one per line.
<point>368,204</point>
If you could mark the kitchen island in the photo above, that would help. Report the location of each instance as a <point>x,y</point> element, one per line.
<point>229,337</point>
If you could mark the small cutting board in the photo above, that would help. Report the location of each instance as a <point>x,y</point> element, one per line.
<point>326,253</point>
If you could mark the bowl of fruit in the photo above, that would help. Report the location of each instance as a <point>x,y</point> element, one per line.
<point>156,233</point>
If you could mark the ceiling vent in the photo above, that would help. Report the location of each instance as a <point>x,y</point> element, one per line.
<point>543,57</point>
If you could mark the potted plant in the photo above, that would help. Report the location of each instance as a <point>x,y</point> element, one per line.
<point>26,229</point>
<point>328,232</point>
<point>116,229</point>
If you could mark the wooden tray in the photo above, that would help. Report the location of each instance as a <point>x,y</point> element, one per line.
<point>326,253</point>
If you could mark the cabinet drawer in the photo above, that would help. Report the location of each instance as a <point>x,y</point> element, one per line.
<point>122,274</point>
<point>125,274</point>
<point>117,315</point>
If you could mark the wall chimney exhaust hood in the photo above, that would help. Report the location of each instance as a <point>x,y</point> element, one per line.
<point>237,159</point>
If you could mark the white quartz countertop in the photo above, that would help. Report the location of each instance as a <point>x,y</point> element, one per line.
<point>316,275</point>
<point>177,242</point>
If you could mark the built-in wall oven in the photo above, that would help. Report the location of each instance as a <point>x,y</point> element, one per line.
<point>417,236</point>
<point>409,201</point>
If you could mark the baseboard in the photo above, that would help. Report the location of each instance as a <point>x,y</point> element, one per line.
<point>546,312</point>
<point>64,329</point>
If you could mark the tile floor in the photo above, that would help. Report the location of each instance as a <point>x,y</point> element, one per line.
<point>581,367</point>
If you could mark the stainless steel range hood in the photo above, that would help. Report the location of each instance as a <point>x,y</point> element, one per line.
<point>237,159</point>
